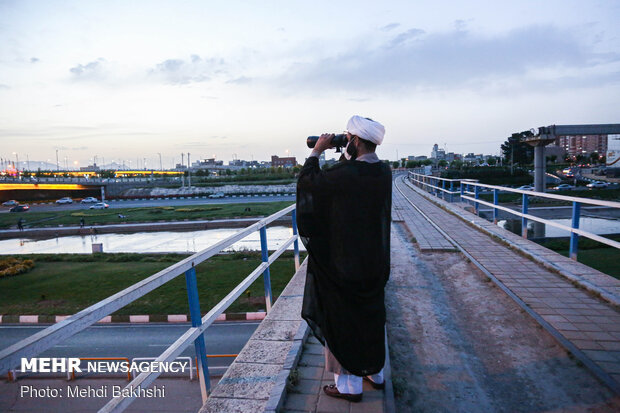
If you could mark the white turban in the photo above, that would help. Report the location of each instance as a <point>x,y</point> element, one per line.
<point>366,129</point>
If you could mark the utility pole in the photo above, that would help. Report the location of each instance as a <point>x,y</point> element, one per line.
<point>182,166</point>
<point>189,172</point>
<point>161,168</point>
<point>57,166</point>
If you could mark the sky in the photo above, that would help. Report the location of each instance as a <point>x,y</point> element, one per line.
<point>129,80</point>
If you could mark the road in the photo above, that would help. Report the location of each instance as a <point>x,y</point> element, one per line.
<point>157,202</point>
<point>139,340</point>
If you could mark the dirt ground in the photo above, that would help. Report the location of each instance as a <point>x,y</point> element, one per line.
<point>460,344</point>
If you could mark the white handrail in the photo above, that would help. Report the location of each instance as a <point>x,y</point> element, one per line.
<point>58,332</point>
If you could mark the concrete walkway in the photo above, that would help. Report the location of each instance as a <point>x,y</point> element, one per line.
<point>581,321</point>
<point>307,394</point>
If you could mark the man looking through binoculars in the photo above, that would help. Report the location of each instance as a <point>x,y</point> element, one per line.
<point>344,215</point>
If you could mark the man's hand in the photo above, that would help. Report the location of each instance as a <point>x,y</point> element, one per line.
<point>324,142</point>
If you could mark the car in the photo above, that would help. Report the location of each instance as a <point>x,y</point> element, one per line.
<point>598,184</point>
<point>10,203</point>
<point>20,208</point>
<point>526,188</point>
<point>100,205</point>
<point>89,200</point>
<point>217,195</point>
<point>65,200</point>
<point>564,187</point>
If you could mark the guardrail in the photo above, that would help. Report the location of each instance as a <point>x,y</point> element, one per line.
<point>432,184</point>
<point>56,333</point>
<point>467,188</point>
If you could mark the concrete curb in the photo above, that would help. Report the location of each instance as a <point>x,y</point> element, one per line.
<point>580,274</point>
<point>132,319</point>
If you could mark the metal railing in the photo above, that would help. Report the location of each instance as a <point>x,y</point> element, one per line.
<point>56,333</point>
<point>439,186</point>
<point>471,190</point>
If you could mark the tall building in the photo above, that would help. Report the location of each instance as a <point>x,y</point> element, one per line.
<point>582,144</point>
<point>437,153</point>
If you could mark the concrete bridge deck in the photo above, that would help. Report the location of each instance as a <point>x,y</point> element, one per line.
<point>575,303</point>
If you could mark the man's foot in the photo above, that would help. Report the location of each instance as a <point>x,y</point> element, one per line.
<point>378,386</point>
<point>332,391</point>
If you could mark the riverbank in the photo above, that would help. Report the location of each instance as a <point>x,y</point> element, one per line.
<point>128,228</point>
<point>157,214</point>
<point>63,284</point>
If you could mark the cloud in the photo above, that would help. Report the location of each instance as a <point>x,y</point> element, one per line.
<point>389,27</point>
<point>34,60</point>
<point>406,36</point>
<point>195,69</point>
<point>94,70</point>
<point>414,60</point>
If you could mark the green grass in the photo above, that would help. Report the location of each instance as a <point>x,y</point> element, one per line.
<point>67,283</point>
<point>145,214</point>
<point>591,253</point>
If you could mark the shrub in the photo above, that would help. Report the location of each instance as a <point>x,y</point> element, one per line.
<point>14,266</point>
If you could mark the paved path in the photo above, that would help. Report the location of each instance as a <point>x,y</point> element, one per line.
<point>308,396</point>
<point>425,234</point>
<point>583,323</point>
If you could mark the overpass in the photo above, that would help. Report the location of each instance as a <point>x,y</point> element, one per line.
<point>548,134</point>
<point>479,319</point>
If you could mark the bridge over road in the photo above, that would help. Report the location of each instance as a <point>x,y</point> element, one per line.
<point>478,319</point>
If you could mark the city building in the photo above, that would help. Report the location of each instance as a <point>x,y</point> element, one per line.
<point>582,144</point>
<point>207,163</point>
<point>437,153</point>
<point>89,168</point>
<point>286,162</point>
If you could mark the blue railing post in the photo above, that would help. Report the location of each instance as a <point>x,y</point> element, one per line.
<point>495,202</point>
<point>199,343</point>
<point>462,188</point>
<point>524,207</point>
<point>266,274</point>
<point>443,186</point>
<point>477,196</point>
<point>574,238</point>
<point>451,190</point>
<point>296,242</point>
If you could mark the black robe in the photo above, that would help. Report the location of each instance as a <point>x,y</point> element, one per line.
<point>343,216</point>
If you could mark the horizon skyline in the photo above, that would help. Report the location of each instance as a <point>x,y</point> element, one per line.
<point>172,161</point>
<point>251,81</point>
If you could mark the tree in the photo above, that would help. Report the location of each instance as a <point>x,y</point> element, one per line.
<point>442,163</point>
<point>492,161</point>
<point>412,164</point>
<point>403,162</point>
<point>516,150</point>
<point>594,156</point>
<point>427,162</point>
<point>395,165</point>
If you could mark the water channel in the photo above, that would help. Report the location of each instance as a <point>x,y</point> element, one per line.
<point>146,242</point>
<point>599,226</point>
